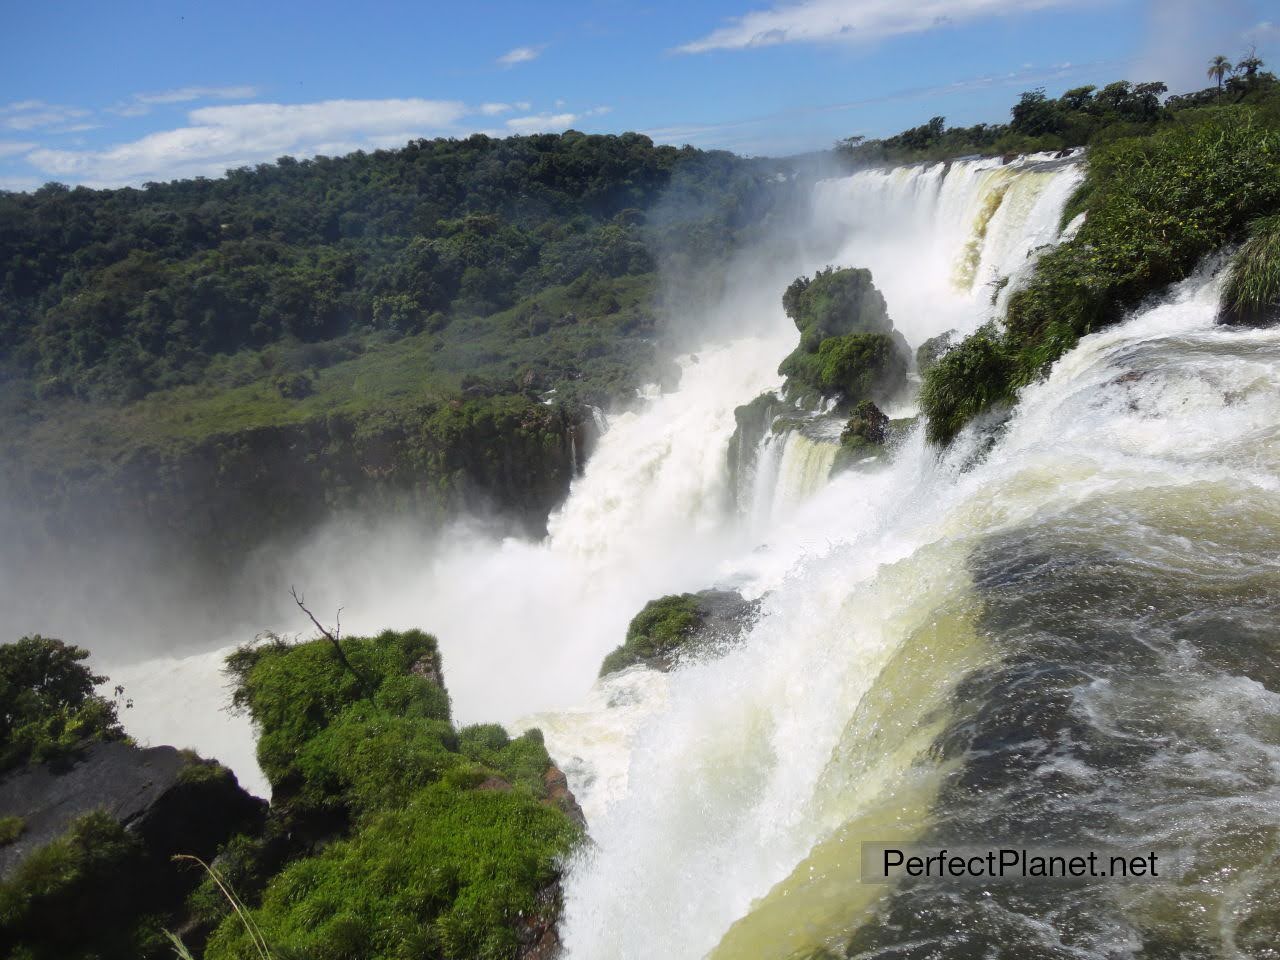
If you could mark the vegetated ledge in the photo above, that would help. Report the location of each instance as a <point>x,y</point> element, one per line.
<point>1154,207</point>
<point>679,625</point>
<point>392,832</point>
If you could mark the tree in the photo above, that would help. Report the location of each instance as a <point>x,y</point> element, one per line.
<point>1219,67</point>
<point>1249,66</point>
<point>48,707</point>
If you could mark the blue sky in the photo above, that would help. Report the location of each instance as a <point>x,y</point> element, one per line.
<point>126,92</point>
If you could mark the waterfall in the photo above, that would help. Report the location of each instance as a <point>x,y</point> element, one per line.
<point>523,626</point>
<point>1145,467</point>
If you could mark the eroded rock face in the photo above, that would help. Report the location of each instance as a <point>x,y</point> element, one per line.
<point>172,802</point>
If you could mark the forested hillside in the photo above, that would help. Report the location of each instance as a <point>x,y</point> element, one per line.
<point>302,335</point>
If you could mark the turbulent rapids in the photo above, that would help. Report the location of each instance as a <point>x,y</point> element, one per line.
<point>1059,631</point>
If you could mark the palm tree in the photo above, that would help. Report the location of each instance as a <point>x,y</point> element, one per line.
<point>1219,67</point>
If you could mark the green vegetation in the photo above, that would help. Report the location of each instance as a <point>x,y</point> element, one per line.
<point>381,324</point>
<point>933,349</point>
<point>85,881</point>
<point>116,293</point>
<point>848,348</point>
<point>864,434</point>
<point>1252,294</point>
<point>11,828</point>
<point>424,841</point>
<point>48,707</point>
<point>1155,206</point>
<point>657,633</point>
<point>1083,116</point>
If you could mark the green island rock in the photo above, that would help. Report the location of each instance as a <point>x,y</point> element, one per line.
<point>676,625</point>
<point>849,350</point>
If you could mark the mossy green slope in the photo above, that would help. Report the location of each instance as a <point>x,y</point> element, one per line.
<point>428,841</point>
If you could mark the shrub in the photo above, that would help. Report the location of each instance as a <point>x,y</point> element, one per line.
<point>11,828</point>
<point>87,879</point>
<point>294,692</point>
<point>48,707</point>
<point>431,842</point>
<point>450,874</point>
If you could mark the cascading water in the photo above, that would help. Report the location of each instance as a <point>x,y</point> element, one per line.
<point>726,799</point>
<point>1071,643</point>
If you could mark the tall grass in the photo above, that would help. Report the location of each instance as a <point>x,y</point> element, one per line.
<point>259,941</point>
<point>1253,285</point>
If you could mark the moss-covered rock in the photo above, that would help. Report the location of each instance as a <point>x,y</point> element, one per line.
<point>394,834</point>
<point>674,625</point>
<point>849,350</point>
<point>751,424</point>
<point>852,368</point>
<point>833,303</point>
<point>1252,293</point>
<point>864,435</point>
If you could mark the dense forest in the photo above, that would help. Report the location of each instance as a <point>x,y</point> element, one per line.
<point>111,294</point>
<point>186,351</point>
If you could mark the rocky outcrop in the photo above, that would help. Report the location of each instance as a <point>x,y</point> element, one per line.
<point>171,801</point>
<point>849,350</point>
<point>752,421</point>
<point>933,349</point>
<point>92,871</point>
<point>674,626</point>
<point>215,499</point>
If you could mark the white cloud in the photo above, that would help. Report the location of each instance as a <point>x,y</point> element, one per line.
<point>542,123</point>
<point>519,55</point>
<point>187,94</point>
<point>141,103</point>
<point>819,21</point>
<point>9,148</point>
<point>230,136</point>
<point>31,114</point>
<point>552,122</point>
<point>20,184</point>
<point>1263,32</point>
<point>493,109</point>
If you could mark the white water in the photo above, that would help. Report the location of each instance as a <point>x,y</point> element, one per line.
<point>523,626</point>
<point>756,761</point>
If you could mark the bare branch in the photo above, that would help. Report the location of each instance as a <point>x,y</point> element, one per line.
<point>333,636</point>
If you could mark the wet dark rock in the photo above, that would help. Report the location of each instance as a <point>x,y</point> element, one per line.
<point>173,802</point>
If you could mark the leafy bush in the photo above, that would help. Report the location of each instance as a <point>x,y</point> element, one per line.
<point>451,874</point>
<point>87,879</point>
<point>851,368</point>
<point>295,692</point>
<point>48,707</point>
